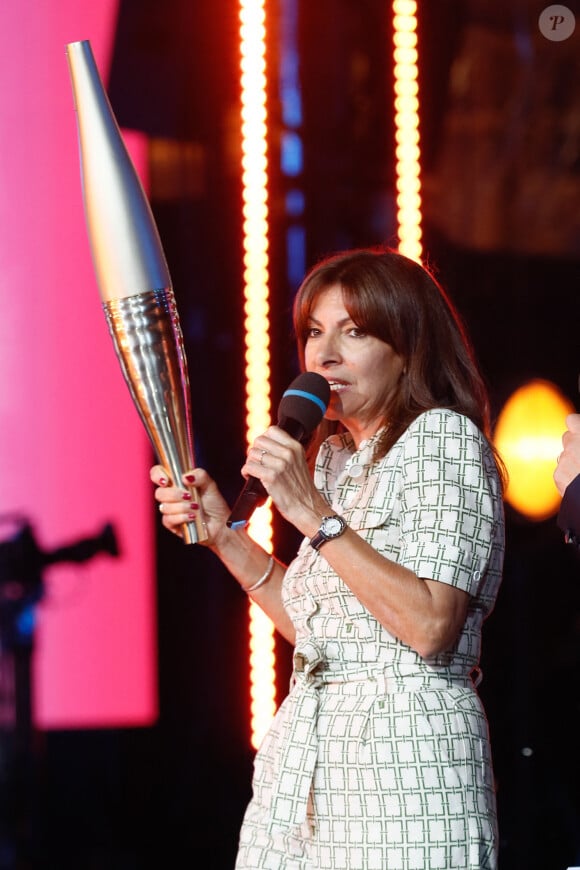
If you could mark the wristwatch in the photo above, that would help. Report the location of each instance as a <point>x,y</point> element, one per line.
<point>330,527</point>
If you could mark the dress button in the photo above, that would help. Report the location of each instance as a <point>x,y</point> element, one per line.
<point>356,470</point>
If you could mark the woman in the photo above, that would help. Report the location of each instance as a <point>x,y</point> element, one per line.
<point>379,757</point>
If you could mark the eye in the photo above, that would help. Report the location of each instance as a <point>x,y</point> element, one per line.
<point>312,332</point>
<point>357,332</point>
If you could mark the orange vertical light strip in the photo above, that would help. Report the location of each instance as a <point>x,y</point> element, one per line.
<point>256,325</point>
<point>408,166</point>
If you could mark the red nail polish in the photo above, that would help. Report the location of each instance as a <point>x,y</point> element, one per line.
<point>191,516</point>
<point>190,478</point>
<point>186,495</point>
<point>194,505</point>
<point>162,481</point>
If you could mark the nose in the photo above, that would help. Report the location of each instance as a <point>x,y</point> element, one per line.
<point>327,349</point>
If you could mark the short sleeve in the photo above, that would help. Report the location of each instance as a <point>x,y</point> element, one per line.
<point>449,495</point>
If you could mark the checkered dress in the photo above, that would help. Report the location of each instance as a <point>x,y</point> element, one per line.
<point>378,758</point>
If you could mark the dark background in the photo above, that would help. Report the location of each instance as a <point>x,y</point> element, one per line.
<point>174,794</point>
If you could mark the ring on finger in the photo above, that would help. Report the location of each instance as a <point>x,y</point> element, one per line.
<point>161,508</point>
<point>262,454</point>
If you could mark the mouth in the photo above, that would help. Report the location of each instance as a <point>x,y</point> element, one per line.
<point>337,386</point>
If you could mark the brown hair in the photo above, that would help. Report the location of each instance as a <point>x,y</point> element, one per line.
<point>400,302</point>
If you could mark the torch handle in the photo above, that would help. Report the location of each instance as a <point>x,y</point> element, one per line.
<point>148,341</point>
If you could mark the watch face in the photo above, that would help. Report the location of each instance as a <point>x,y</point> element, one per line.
<point>332,526</point>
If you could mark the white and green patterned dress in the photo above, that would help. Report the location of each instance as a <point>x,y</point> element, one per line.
<point>379,759</point>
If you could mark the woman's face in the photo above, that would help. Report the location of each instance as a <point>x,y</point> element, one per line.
<point>362,370</point>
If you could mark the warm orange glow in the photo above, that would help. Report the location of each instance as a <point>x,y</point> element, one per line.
<point>256,324</point>
<point>263,668</point>
<point>529,437</point>
<point>408,154</point>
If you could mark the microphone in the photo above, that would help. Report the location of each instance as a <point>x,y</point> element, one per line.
<point>301,409</point>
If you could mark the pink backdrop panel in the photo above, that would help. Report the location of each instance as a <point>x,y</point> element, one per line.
<point>75,453</point>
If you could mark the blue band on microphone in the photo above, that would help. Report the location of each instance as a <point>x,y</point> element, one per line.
<point>239,524</point>
<point>310,396</point>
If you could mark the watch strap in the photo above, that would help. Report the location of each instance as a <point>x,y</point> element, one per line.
<point>318,540</point>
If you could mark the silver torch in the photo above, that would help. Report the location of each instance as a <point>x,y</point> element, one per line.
<point>133,277</point>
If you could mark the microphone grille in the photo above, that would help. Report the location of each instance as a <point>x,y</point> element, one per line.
<point>305,401</point>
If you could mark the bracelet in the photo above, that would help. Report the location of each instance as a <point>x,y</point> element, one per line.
<point>264,578</point>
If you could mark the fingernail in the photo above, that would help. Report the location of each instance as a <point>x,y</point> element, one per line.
<point>194,505</point>
<point>190,478</point>
<point>162,481</point>
<point>186,495</point>
<point>191,516</point>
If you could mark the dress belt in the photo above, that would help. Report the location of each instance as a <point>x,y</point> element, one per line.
<point>299,737</point>
<point>297,759</point>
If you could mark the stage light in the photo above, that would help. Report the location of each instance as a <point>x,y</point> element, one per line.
<point>254,119</point>
<point>408,167</point>
<point>528,436</point>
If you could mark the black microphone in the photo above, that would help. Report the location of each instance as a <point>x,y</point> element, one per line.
<point>301,409</point>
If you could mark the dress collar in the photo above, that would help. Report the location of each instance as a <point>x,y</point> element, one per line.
<point>345,441</point>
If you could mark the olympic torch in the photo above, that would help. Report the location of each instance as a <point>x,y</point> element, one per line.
<point>133,277</point>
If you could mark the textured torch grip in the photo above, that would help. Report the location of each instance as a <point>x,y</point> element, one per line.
<point>148,341</point>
